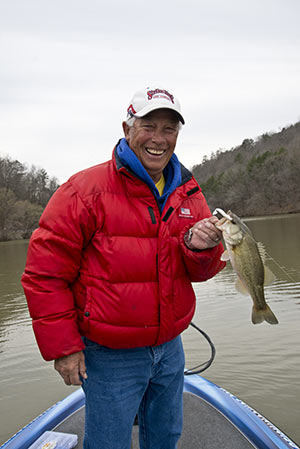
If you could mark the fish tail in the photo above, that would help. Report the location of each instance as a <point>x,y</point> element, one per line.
<point>265,314</point>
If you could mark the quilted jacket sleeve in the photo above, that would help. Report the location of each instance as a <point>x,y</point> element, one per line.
<point>201,265</point>
<point>53,262</point>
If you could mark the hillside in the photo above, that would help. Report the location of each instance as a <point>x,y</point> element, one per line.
<point>259,177</point>
<point>24,192</point>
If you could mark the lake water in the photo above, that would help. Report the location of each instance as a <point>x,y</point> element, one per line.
<point>259,364</point>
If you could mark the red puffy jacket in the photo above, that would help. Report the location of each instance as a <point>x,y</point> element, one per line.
<point>106,264</point>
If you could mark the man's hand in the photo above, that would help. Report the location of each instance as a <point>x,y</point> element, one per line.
<point>205,234</point>
<point>71,367</point>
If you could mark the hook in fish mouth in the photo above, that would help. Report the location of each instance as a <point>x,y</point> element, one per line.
<point>222,212</point>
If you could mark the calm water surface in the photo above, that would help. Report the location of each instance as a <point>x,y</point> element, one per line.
<point>259,364</point>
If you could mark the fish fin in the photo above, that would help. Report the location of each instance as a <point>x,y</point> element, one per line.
<point>265,314</point>
<point>241,288</point>
<point>262,251</point>
<point>269,276</point>
<point>257,316</point>
<point>225,256</point>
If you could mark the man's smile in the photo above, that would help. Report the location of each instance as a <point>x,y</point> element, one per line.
<point>155,152</point>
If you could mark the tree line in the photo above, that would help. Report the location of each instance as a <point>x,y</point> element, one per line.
<point>24,192</point>
<point>258,177</point>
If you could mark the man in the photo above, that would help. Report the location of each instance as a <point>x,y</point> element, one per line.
<point>108,278</point>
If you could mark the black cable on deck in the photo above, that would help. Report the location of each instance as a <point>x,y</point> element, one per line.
<point>203,366</point>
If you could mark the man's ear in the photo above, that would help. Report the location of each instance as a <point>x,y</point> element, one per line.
<point>125,129</point>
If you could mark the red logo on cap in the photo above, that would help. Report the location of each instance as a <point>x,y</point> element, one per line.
<point>151,93</point>
<point>131,111</point>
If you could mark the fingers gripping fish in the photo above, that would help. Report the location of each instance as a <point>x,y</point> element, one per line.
<point>244,255</point>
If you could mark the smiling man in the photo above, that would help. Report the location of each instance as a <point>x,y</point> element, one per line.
<point>108,278</point>
<point>153,140</point>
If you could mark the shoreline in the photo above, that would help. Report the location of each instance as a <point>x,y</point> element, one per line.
<point>247,218</point>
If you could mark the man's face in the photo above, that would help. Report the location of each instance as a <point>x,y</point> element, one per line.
<point>153,139</point>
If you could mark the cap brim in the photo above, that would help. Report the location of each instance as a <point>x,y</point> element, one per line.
<point>154,107</point>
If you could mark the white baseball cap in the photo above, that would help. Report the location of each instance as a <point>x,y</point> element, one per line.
<point>149,99</point>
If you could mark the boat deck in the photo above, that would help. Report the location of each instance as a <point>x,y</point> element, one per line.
<point>199,420</point>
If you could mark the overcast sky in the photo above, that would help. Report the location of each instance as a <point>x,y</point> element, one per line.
<point>68,69</point>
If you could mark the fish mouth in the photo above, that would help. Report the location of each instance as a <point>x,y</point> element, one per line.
<point>154,151</point>
<point>223,213</point>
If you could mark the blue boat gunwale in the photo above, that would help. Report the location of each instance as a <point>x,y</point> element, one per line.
<point>47,420</point>
<point>255,427</point>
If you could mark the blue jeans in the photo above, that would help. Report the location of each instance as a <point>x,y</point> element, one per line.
<point>121,383</point>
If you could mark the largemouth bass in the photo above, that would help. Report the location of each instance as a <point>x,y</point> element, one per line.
<point>246,260</point>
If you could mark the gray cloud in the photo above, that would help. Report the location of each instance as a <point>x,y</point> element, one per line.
<point>70,67</point>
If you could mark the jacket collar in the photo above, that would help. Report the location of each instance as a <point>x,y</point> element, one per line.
<point>186,175</point>
<point>172,172</point>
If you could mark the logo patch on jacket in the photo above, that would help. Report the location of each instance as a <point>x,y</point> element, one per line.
<point>185,212</point>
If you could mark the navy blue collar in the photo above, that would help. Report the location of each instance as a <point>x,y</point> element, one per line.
<point>172,171</point>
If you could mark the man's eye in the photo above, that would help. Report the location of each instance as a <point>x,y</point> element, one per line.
<point>148,126</point>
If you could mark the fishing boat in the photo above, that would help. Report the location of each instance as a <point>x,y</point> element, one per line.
<point>213,418</point>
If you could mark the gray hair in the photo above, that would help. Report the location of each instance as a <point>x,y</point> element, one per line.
<point>130,121</point>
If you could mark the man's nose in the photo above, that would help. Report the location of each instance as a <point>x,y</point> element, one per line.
<point>158,137</point>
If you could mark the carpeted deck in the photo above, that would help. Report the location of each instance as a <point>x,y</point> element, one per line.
<point>204,428</point>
